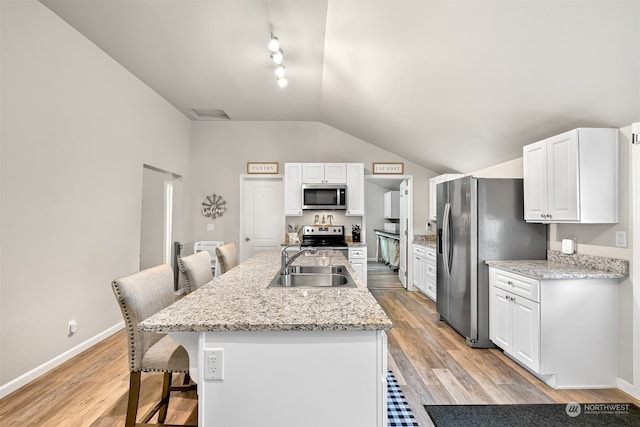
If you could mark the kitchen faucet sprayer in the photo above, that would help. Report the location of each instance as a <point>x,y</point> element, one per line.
<point>285,261</point>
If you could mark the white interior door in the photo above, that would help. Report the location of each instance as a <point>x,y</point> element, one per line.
<point>261,215</point>
<point>406,231</point>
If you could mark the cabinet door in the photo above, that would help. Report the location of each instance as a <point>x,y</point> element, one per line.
<point>433,183</point>
<point>500,322</point>
<point>293,189</point>
<point>313,173</point>
<point>562,175</point>
<point>335,173</point>
<point>391,205</point>
<point>526,333</point>
<point>355,189</point>
<point>534,163</point>
<point>418,272</point>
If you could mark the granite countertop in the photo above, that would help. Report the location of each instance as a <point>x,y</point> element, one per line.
<point>545,269</point>
<point>425,243</point>
<point>239,300</point>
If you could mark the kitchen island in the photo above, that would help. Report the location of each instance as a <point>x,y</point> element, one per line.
<point>283,357</point>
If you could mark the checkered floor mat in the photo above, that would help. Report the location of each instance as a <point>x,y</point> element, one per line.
<point>398,412</point>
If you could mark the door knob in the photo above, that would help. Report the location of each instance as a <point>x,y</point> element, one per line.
<point>247,239</point>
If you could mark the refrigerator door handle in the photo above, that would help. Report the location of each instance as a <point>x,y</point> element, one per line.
<point>446,238</point>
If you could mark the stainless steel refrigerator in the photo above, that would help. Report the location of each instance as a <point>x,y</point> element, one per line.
<point>479,219</point>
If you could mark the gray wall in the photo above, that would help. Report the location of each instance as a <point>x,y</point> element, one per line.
<point>76,130</point>
<point>220,152</point>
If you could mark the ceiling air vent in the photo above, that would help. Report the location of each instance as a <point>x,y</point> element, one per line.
<point>208,114</point>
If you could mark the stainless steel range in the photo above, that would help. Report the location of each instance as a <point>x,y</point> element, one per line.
<point>323,236</point>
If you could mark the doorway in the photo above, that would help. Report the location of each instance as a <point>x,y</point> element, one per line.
<point>261,215</point>
<point>375,187</point>
<point>161,196</point>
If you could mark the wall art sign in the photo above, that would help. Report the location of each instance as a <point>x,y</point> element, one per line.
<point>388,168</point>
<point>262,167</point>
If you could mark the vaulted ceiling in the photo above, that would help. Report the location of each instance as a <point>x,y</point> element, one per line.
<point>450,85</point>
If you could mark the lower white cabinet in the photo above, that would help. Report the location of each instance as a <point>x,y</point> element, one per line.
<point>562,330</point>
<point>516,323</point>
<point>358,260</point>
<point>424,270</point>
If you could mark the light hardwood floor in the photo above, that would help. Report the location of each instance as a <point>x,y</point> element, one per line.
<point>431,362</point>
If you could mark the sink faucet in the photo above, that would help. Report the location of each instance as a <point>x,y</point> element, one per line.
<point>285,261</point>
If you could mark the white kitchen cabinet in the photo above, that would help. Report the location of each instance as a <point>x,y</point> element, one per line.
<point>358,260</point>
<point>572,177</point>
<point>391,205</point>
<point>293,189</point>
<point>431,280</point>
<point>419,268</point>
<point>562,330</point>
<point>516,323</point>
<point>324,173</point>
<point>424,270</point>
<point>433,183</point>
<point>355,189</point>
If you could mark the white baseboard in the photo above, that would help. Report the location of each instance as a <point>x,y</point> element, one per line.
<point>13,385</point>
<point>630,389</point>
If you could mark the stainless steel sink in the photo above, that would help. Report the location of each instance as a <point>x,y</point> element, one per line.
<point>310,277</point>
<point>317,269</point>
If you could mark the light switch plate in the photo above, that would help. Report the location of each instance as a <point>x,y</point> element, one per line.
<point>211,227</point>
<point>621,239</point>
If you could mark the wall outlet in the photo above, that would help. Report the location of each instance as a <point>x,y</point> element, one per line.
<point>621,239</point>
<point>72,327</point>
<point>214,364</point>
<point>211,227</point>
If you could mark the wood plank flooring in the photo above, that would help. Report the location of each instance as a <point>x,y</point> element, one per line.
<point>431,362</point>
<point>434,365</point>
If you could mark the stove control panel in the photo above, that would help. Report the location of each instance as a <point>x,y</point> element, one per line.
<point>323,230</point>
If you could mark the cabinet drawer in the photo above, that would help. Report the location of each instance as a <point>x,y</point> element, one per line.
<point>430,273</point>
<point>356,253</point>
<point>419,250</point>
<point>515,283</point>
<point>430,256</point>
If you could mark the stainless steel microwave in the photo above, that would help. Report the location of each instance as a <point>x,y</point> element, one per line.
<point>324,196</point>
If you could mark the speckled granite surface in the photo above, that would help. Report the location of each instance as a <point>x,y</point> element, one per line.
<point>425,243</point>
<point>613,265</point>
<point>240,301</point>
<point>545,269</point>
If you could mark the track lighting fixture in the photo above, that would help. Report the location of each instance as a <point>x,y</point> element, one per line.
<point>277,55</point>
<point>274,44</point>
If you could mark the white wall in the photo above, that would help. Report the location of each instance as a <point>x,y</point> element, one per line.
<point>221,150</point>
<point>76,130</point>
<point>599,240</point>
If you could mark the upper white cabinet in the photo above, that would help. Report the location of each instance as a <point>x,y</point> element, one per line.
<point>324,173</point>
<point>351,174</point>
<point>293,189</point>
<point>433,183</point>
<point>572,177</point>
<point>391,201</point>
<point>355,189</point>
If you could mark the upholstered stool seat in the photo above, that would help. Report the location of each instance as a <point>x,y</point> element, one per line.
<point>141,295</point>
<point>195,270</point>
<point>227,257</point>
